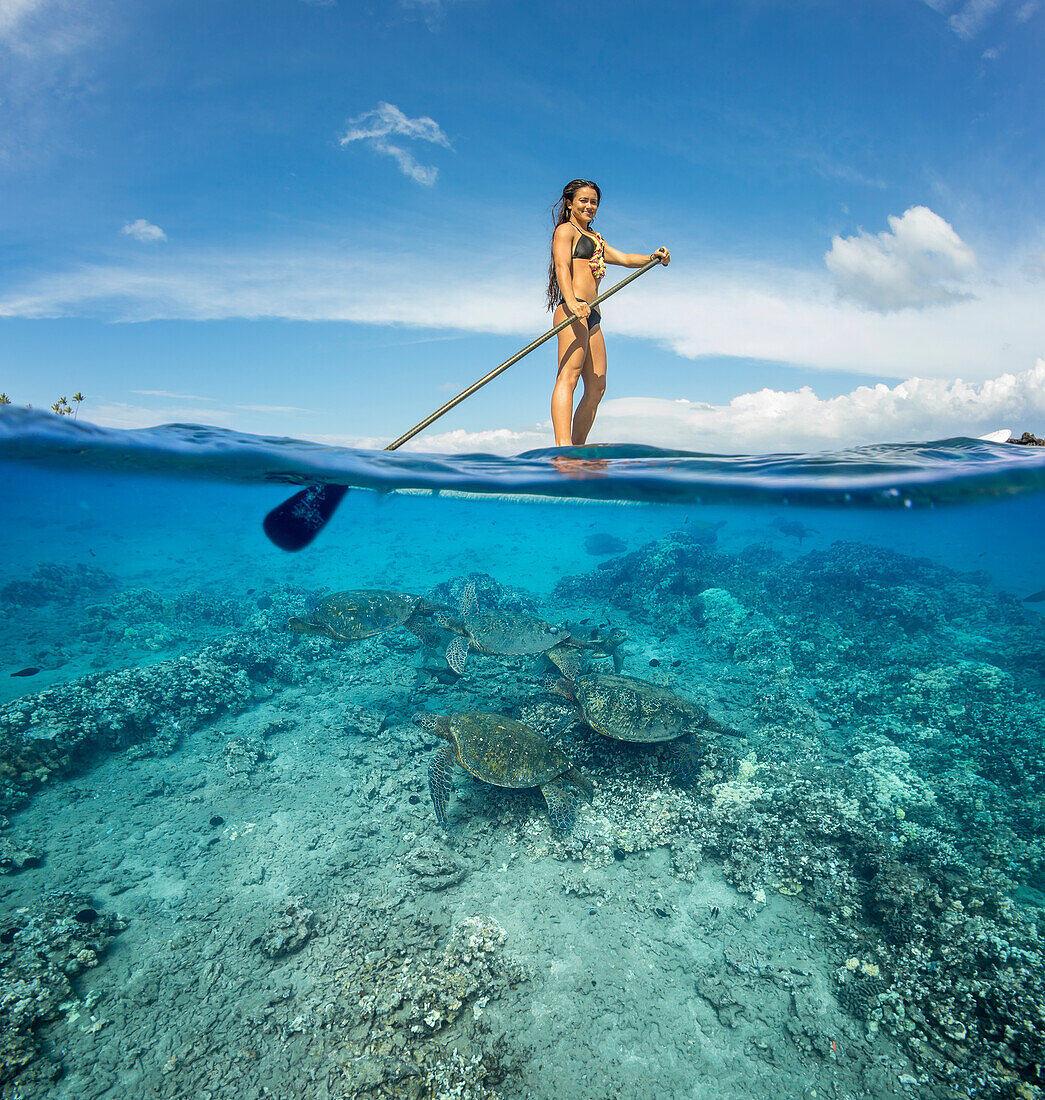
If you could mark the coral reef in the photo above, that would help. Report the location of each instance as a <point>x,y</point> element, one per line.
<point>146,709</point>
<point>883,770</point>
<point>53,583</point>
<point>42,950</point>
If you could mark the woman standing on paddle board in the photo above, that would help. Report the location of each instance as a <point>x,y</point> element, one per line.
<point>579,259</point>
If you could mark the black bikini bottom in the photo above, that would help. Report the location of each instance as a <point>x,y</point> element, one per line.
<point>593,319</point>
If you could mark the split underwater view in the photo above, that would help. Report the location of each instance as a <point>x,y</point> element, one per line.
<point>610,772</point>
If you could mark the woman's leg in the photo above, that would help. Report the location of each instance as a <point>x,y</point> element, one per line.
<point>573,351</point>
<point>593,374</point>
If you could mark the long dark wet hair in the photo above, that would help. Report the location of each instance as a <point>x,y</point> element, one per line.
<point>560,214</point>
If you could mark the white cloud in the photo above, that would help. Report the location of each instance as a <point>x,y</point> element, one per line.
<point>36,28</point>
<point>374,127</point>
<point>141,230</point>
<point>696,308</point>
<point>275,409</point>
<point>971,16</point>
<point>787,421</point>
<point>175,396</point>
<point>974,14</point>
<point>121,414</point>
<point>766,421</point>
<point>919,262</point>
<point>14,14</point>
<point>770,420</point>
<point>432,11</point>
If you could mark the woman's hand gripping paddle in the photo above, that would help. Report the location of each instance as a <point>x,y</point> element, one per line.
<point>296,522</point>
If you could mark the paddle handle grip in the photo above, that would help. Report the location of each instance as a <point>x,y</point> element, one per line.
<point>442,410</point>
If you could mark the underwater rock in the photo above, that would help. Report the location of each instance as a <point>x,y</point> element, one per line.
<point>53,583</point>
<point>42,950</point>
<point>602,544</point>
<point>16,857</point>
<point>718,994</point>
<point>427,999</point>
<point>364,721</point>
<point>436,868</point>
<point>890,782</point>
<point>489,593</point>
<point>146,709</point>
<point>656,582</point>
<point>744,634</point>
<point>859,990</point>
<point>294,926</point>
<point>243,755</point>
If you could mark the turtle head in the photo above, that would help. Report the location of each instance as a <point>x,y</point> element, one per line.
<point>439,724</point>
<point>301,626</point>
<point>561,687</point>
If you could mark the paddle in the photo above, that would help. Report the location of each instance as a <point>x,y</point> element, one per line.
<point>296,522</point>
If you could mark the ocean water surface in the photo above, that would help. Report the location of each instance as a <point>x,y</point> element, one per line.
<point>812,859</point>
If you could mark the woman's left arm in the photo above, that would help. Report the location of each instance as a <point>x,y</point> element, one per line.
<point>636,259</point>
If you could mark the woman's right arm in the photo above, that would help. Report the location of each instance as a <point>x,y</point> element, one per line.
<point>562,254</point>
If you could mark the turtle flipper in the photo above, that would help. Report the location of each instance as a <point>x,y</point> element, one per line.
<point>566,660</point>
<point>457,654</point>
<point>432,640</point>
<point>469,602</point>
<point>581,782</point>
<point>561,807</point>
<point>449,622</point>
<point>441,782</point>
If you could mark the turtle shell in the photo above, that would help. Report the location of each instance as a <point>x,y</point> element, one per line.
<point>513,633</point>
<point>629,709</point>
<point>504,752</point>
<point>351,616</point>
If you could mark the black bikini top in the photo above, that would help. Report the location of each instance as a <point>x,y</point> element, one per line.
<point>584,249</point>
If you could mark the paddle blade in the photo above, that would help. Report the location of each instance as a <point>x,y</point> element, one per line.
<point>296,522</point>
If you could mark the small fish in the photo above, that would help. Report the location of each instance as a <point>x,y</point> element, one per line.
<point>92,553</point>
<point>601,544</point>
<point>1036,598</point>
<point>32,670</point>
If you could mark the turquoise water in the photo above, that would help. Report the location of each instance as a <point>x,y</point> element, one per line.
<point>222,868</point>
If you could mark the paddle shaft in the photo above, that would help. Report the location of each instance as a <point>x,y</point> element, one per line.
<point>296,522</point>
<point>397,443</point>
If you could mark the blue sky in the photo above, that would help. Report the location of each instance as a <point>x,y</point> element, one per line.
<point>322,219</point>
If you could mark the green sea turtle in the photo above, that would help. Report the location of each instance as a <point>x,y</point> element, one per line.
<point>357,614</point>
<point>506,753</point>
<point>511,633</point>
<point>629,709</point>
<point>793,528</point>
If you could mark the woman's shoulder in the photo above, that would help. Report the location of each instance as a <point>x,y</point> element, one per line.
<point>565,229</point>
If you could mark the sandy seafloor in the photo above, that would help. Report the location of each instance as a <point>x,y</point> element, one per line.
<point>227,881</point>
